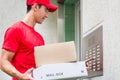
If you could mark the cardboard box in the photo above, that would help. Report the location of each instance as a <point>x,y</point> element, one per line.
<point>60,71</point>
<point>55,53</point>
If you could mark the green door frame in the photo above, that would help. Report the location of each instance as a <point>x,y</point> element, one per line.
<point>69,13</point>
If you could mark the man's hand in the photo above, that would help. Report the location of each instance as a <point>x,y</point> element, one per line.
<point>86,62</point>
<point>27,75</point>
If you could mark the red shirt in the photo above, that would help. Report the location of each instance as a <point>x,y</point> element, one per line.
<point>21,39</point>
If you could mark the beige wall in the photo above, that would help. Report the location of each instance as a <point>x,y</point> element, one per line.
<point>107,12</point>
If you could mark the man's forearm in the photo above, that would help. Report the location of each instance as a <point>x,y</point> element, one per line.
<point>8,68</point>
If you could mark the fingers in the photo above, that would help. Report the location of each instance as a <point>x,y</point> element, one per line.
<point>87,66</point>
<point>86,62</point>
<point>30,70</point>
<point>28,73</point>
<point>90,59</point>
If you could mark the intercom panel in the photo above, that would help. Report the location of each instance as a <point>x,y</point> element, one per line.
<point>92,47</point>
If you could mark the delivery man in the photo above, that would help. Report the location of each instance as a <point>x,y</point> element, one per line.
<point>17,59</point>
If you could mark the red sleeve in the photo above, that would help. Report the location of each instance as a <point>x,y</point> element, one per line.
<point>11,40</point>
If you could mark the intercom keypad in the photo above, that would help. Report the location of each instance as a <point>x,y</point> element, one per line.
<point>94,53</point>
<point>92,47</point>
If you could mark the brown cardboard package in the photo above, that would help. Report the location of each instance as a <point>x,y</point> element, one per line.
<point>55,53</point>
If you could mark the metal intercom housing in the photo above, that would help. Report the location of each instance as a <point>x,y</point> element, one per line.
<point>92,46</point>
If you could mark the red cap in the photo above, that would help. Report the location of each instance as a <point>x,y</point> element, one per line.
<point>46,3</point>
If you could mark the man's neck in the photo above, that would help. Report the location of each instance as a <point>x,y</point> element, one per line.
<point>29,20</point>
